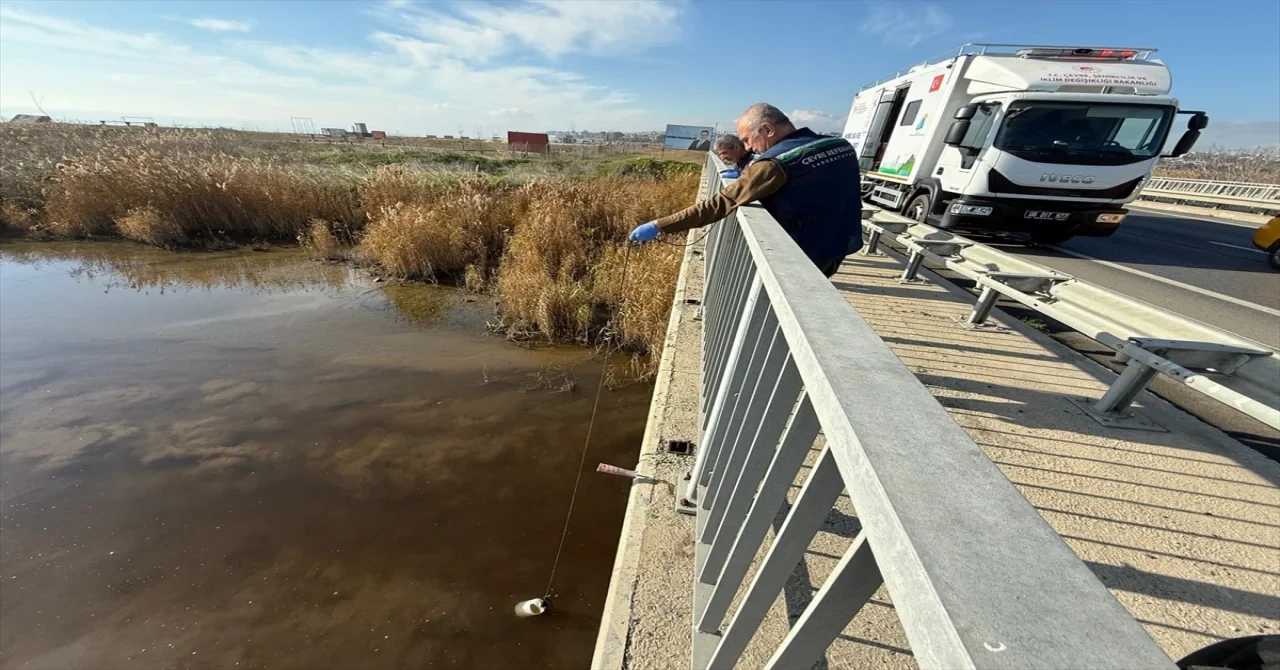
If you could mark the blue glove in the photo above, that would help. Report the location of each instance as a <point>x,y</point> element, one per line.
<point>645,232</point>
<point>729,173</point>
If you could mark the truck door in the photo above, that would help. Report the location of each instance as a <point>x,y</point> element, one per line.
<point>887,109</point>
<point>955,165</point>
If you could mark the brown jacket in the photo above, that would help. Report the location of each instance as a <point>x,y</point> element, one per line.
<point>760,179</point>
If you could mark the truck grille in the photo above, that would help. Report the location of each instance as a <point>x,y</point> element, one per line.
<point>998,183</point>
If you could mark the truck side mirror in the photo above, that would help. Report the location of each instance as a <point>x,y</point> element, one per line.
<point>966,112</point>
<point>957,131</point>
<point>1198,122</point>
<point>1185,143</point>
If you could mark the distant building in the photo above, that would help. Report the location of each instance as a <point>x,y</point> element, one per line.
<point>535,143</point>
<point>30,118</point>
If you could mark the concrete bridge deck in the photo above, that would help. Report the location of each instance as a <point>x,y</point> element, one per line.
<point>1181,524</point>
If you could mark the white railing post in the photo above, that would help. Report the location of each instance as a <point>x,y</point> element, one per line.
<point>714,425</point>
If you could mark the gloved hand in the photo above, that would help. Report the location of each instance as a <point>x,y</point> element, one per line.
<point>729,173</point>
<point>645,232</point>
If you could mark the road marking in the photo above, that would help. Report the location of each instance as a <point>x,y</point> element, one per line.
<point>1173,214</point>
<point>1164,280</point>
<point>1236,246</point>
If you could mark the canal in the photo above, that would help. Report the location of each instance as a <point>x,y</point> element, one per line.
<point>254,460</point>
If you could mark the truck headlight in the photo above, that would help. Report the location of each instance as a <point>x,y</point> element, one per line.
<point>970,210</point>
<point>1110,218</point>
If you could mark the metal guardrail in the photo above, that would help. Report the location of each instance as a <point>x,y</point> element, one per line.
<point>977,577</point>
<point>1233,370</point>
<point>1261,197</point>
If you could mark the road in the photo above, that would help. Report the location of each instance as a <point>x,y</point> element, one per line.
<point>1204,269</point>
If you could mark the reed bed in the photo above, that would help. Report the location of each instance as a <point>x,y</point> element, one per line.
<point>546,238</point>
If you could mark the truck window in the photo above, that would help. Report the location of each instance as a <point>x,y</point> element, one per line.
<point>979,128</point>
<point>1084,133</point>
<point>909,114</point>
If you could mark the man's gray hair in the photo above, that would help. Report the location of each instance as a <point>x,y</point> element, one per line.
<point>763,112</point>
<point>729,142</point>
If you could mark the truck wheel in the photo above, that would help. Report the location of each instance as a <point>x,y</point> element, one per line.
<point>1052,236</point>
<point>919,208</point>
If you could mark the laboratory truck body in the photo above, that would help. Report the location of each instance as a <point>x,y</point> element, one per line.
<point>1046,141</point>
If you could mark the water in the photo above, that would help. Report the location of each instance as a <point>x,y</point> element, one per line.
<point>252,460</point>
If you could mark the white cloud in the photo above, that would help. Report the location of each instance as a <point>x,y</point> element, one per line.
<point>222,25</point>
<point>821,122</point>
<point>510,113</point>
<point>905,25</point>
<point>557,27</point>
<point>400,80</point>
<point>552,28</point>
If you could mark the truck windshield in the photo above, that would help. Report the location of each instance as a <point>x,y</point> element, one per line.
<point>1083,133</point>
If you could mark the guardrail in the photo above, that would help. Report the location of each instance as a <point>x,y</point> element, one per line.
<point>977,577</point>
<point>1264,198</point>
<point>1233,370</point>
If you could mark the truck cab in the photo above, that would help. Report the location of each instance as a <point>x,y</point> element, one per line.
<point>1050,142</point>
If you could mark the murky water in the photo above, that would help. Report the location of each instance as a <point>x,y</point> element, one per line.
<point>250,460</point>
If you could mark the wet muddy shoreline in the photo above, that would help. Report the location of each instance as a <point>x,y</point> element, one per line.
<point>248,459</point>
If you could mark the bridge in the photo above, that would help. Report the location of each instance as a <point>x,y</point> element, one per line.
<point>891,469</point>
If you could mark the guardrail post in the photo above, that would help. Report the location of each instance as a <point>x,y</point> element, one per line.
<point>913,266</point>
<point>873,244</point>
<point>1135,377</point>
<point>982,308</point>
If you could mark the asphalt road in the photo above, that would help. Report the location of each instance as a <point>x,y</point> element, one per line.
<point>1204,269</point>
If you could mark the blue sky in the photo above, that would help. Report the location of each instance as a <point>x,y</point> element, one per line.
<point>445,67</point>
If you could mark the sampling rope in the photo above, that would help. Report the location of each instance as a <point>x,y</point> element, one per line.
<point>683,244</point>
<point>604,371</point>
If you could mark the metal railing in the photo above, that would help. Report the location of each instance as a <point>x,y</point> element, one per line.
<point>1235,371</point>
<point>977,577</point>
<point>1258,197</point>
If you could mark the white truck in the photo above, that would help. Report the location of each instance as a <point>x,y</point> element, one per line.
<point>1049,141</point>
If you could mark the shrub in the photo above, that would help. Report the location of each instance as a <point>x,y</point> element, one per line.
<point>562,274</point>
<point>438,237</point>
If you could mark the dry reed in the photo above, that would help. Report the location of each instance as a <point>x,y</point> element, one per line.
<point>319,239</point>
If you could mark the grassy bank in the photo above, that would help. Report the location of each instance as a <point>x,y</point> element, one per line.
<point>545,236</point>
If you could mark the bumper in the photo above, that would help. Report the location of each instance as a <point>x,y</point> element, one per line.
<point>1026,216</point>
